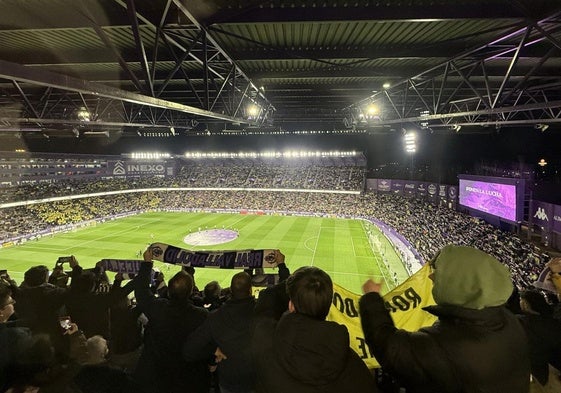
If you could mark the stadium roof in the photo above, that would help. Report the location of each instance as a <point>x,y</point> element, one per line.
<point>95,68</point>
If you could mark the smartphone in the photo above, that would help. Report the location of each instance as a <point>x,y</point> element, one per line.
<point>62,260</point>
<point>65,323</point>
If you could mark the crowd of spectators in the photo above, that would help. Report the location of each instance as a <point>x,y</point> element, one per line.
<point>349,178</point>
<point>168,341</point>
<point>427,228</point>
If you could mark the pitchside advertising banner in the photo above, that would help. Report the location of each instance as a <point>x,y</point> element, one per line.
<point>397,187</point>
<point>542,215</point>
<point>384,185</point>
<point>139,168</point>
<point>405,304</point>
<point>410,188</point>
<point>432,192</point>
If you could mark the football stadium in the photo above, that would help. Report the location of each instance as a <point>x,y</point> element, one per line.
<point>230,196</point>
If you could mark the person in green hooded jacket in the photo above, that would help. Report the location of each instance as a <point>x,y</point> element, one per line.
<point>476,345</point>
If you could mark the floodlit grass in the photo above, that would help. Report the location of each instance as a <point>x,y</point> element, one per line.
<point>338,246</point>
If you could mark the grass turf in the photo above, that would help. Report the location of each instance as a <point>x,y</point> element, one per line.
<point>338,246</point>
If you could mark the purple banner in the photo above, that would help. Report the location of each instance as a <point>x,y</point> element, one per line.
<point>542,214</point>
<point>397,187</point>
<point>384,185</point>
<point>492,198</point>
<point>557,218</point>
<point>410,188</point>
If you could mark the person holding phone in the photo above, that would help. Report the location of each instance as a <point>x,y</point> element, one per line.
<point>39,303</point>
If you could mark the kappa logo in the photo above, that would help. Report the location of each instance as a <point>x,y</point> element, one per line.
<point>541,215</point>
<point>119,168</point>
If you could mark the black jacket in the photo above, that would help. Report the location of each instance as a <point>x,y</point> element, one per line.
<point>544,336</point>
<point>90,310</point>
<point>228,328</point>
<point>298,354</point>
<point>466,350</point>
<point>161,367</point>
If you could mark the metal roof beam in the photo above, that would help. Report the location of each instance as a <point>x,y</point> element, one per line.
<point>356,12</point>
<point>12,71</point>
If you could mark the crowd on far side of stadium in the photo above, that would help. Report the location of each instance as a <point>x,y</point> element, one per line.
<point>428,228</point>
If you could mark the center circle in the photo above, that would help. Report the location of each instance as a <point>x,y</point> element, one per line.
<point>210,237</point>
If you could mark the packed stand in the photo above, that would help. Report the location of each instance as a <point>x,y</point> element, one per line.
<point>426,227</point>
<point>349,178</point>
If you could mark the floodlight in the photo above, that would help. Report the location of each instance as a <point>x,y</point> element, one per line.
<point>252,111</point>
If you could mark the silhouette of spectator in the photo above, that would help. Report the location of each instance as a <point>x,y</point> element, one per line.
<point>302,352</point>
<point>10,334</point>
<point>161,367</point>
<point>39,304</point>
<point>229,329</point>
<point>90,309</point>
<point>126,331</point>
<point>543,333</point>
<point>476,344</point>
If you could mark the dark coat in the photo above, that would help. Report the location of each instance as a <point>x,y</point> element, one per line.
<point>39,308</point>
<point>298,354</point>
<point>466,350</point>
<point>10,338</point>
<point>90,310</point>
<point>161,367</point>
<point>228,328</point>
<point>544,336</point>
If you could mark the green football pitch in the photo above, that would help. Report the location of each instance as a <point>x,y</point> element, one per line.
<point>339,246</point>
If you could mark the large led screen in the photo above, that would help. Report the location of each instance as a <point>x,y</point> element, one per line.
<point>492,198</point>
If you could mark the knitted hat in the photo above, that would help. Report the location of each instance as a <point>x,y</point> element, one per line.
<point>470,278</point>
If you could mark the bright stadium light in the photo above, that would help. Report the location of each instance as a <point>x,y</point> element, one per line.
<point>252,111</point>
<point>410,142</point>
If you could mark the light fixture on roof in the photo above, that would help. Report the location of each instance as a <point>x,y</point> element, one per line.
<point>372,112</point>
<point>410,142</point>
<point>83,114</point>
<point>541,127</point>
<point>542,162</point>
<point>386,85</point>
<point>252,111</point>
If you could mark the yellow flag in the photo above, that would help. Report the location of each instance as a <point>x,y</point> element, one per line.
<point>405,304</point>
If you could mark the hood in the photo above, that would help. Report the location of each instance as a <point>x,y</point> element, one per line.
<point>313,352</point>
<point>469,278</point>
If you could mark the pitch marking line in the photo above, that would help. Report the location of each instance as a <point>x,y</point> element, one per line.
<point>306,243</point>
<point>315,247</point>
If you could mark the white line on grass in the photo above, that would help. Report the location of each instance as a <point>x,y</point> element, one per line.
<point>355,274</point>
<point>316,247</point>
<point>353,243</point>
<point>235,222</point>
<point>306,243</point>
<point>112,234</point>
<point>376,254</point>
